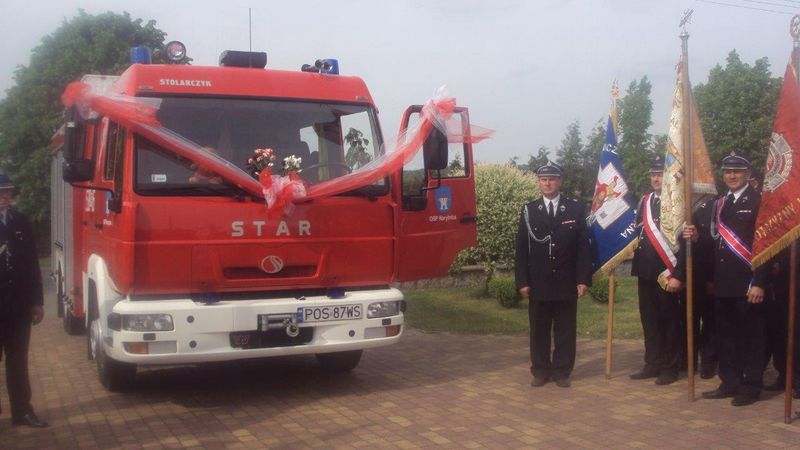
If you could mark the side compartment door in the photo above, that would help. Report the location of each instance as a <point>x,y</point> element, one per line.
<point>437,209</point>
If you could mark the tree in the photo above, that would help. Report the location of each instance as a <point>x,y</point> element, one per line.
<point>571,158</point>
<point>456,165</point>
<point>737,108</point>
<point>30,113</point>
<point>357,155</point>
<point>534,162</point>
<point>591,155</point>
<point>635,144</point>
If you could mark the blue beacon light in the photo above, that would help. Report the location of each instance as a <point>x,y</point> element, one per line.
<point>141,55</point>
<point>330,66</point>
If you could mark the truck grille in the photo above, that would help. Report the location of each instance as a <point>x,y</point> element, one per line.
<point>268,339</point>
<point>250,273</point>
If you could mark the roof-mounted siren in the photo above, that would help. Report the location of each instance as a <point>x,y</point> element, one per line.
<point>329,66</point>
<point>236,58</point>
<point>141,55</point>
<point>175,51</point>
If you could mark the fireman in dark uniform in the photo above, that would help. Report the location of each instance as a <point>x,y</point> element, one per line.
<point>738,290</point>
<point>703,292</point>
<point>20,303</point>
<point>552,269</point>
<point>659,310</point>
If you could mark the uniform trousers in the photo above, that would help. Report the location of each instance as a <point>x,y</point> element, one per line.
<point>660,314</point>
<point>560,319</point>
<point>704,328</point>
<point>741,340</point>
<point>15,334</point>
<point>777,314</point>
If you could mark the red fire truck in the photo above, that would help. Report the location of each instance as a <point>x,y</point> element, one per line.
<point>161,265</point>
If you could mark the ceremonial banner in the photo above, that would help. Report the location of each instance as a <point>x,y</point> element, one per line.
<point>612,216</point>
<point>672,193</point>
<point>778,221</point>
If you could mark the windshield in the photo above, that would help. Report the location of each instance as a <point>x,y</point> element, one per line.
<point>331,139</point>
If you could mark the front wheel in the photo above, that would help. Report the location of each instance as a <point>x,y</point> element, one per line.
<point>339,361</point>
<point>115,375</point>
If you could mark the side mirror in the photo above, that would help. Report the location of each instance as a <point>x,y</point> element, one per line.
<point>77,170</point>
<point>434,150</point>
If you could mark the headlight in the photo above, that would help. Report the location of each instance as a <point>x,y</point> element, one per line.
<point>147,322</point>
<point>383,309</point>
<point>175,50</point>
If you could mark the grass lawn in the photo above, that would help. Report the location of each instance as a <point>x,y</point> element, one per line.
<point>471,311</point>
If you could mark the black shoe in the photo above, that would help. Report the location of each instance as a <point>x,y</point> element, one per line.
<point>708,373</point>
<point>666,378</point>
<point>563,382</point>
<point>744,400</point>
<point>778,385</point>
<point>30,420</point>
<point>643,374</point>
<point>538,381</point>
<point>717,394</point>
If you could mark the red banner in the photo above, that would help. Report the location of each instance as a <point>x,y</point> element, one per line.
<point>778,222</point>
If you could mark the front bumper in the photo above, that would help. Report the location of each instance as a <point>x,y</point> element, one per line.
<point>213,332</point>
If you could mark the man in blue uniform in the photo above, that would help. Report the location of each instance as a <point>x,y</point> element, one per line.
<point>738,290</point>
<point>552,269</point>
<point>20,303</point>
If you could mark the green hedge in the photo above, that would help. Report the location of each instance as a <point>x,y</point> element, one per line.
<point>505,291</point>
<point>501,191</point>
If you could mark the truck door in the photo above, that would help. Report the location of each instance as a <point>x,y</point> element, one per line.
<point>438,213</point>
<point>110,220</point>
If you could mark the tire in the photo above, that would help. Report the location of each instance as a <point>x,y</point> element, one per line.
<point>72,326</point>
<point>340,361</point>
<point>116,376</point>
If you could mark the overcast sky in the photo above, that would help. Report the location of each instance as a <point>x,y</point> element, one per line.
<point>524,68</point>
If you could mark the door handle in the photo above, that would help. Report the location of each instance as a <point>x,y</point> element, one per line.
<point>468,219</point>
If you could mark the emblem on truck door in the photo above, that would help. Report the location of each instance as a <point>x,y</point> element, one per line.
<point>271,264</point>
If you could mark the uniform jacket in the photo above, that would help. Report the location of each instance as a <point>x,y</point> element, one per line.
<point>20,278</point>
<point>702,250</point>
<point>646,265</point>
<point>732,277</point>
<point>557,257</point>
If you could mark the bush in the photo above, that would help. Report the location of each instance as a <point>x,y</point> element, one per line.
<point>505,291</point>
<point>501,191</point>
<point>600,290</point>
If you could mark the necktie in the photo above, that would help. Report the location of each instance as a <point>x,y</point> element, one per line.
<point>730,200</point>
<point>550,211</point>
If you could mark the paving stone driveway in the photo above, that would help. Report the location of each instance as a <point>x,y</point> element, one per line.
<point>429,391</point>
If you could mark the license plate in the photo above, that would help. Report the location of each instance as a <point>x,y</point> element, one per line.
<point>328,313</point>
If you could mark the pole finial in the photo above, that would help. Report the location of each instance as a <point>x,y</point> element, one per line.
<point>686,20</point>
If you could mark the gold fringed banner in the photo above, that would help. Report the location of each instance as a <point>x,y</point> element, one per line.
<point>778,221</point>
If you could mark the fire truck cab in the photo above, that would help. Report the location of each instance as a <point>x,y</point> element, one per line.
<point>161,263</point>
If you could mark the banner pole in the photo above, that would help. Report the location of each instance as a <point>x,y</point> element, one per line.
<point>610,335</point>
<point>687,202</point>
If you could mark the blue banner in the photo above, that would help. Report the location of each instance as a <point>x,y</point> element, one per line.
<point>611,219</point>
